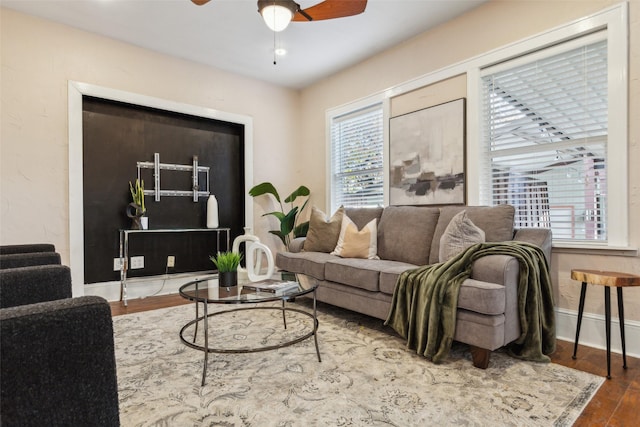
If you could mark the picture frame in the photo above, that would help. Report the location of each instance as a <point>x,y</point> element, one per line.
<point>427,156</point>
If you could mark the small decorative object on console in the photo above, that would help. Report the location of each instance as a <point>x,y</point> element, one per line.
<point>212,212</point>
<point>136,209</point>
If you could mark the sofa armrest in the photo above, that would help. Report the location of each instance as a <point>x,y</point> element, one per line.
<point>29,285</point>
<point>504,269</point>
<point>58,364</point>
<point>541,237</point>
<point>29,259</point>
<point>297,244</point>
<point>500,269</point>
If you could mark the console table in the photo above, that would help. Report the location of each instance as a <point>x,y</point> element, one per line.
<point>124,248</point>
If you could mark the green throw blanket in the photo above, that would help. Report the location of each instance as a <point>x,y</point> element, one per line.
<point>423,309</point>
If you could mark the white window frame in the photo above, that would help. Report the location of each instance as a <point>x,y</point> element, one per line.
<point>614,21</point>
<point>335,113</point>
<point>576,47</point>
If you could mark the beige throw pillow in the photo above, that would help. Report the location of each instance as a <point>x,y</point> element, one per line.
<point>354,243</point>
<point>460,234</point>
<point>322,235</point>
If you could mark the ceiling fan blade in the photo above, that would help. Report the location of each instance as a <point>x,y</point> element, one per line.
<point>330,9</point>
<point>200,2</point>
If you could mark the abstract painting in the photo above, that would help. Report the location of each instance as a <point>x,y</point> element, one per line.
<point>427,156</point>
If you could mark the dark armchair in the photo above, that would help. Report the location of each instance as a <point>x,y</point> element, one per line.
<point>13,256</point>
<point>57,364</point>
<point>57,358</point>
<point>29,285</point>
<point>26,248</point>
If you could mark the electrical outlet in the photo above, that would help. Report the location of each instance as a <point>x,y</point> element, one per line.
<point>137,262</point>
<point>116,264</point>
<point>171,261</point>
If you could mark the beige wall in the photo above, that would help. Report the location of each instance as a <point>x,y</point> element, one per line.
<point>39,58</point>
<point>461,39</point>
<point>427,96</point>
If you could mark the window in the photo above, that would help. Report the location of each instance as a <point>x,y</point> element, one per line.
<point>544,138</point>
<point>357,158</point>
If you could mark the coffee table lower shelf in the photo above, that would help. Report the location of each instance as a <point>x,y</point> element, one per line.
<point>206,349</point>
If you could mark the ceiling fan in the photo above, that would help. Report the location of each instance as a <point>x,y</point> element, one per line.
<point>278,13</point>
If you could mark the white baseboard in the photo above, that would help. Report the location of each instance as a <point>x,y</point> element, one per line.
<point>592,331</point>
<point>143,287</point>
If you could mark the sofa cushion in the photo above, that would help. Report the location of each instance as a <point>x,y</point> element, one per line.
<point>356,272</point>
<point>323,234</point>
<point>354,243</point>
<point>309,263</point>
<point>389,273</point>
<point>460,234</point>
<point>495,221</point>
<point>405,233</point>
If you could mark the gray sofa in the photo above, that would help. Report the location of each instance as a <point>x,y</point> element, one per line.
<point>409,236</point>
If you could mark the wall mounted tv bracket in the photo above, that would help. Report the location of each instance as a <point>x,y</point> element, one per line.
<point>157,167</point>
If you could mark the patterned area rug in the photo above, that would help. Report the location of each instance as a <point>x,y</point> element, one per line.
<point>366,377</point>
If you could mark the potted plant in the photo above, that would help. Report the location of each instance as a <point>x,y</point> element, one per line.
<point>136,209</point>
<point>289,228</point>
<point>227,264</point>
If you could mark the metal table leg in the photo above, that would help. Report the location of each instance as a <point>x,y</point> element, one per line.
<point>205,319</point>
<point>583,293</point>
<point>607,326</point>
<point>621,317</point>
<point>315,326</point>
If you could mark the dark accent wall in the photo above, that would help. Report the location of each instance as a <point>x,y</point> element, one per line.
<point>115,137</point>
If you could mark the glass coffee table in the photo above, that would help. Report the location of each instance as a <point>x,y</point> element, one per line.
<point>206,291</point>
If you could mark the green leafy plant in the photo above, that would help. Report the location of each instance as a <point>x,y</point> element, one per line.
<point>288,221</point>
<point>137,194</point>
<point>226,261</point>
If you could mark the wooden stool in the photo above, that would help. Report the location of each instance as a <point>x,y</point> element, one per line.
<point>606,279</point>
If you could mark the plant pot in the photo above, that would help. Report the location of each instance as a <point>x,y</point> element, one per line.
<point>227,279</point>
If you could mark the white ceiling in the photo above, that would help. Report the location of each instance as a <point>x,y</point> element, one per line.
<point>230,34</point>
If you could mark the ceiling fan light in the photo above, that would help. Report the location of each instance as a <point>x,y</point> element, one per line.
<point>277,14</point>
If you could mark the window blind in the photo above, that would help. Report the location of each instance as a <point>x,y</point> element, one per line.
<point>357,158</point>
<point>545,140</point>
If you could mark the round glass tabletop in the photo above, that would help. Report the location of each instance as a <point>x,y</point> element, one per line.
<point>283,286</point>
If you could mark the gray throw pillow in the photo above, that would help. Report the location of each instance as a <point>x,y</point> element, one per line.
<point>460,234</point>
<point>323,234</point>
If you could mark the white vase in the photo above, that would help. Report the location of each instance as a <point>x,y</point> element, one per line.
<point>255,252</point>
<point>247,238</point>
<point>144,222</point>
<point>212,212</point>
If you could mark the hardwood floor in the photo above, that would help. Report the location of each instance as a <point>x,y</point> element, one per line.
<point>615,404</point>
